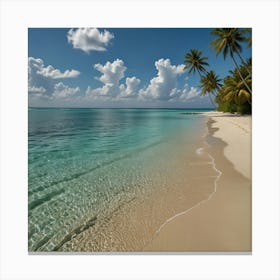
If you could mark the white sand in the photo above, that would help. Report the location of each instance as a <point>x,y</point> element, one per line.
<point>235,130</point>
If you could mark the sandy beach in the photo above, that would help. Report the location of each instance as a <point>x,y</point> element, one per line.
<point>235,130</point>
<point>223,222</point>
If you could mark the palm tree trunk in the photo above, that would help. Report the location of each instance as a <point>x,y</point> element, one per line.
<point>237,68</point>
<point>243,61</point>
<point>212,101</point>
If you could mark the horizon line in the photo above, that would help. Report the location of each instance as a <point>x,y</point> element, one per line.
<point>169,108</point>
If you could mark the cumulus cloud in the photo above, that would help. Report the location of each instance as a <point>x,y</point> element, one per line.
<point>42,81</point>
<point>50,72</point>
<point>89,39</point>
<point>112,73</point>
<point>163,89</point>
<point>36,90</point>
<point>130,89</point>
<point>38,84</point>
<point>189,93</point>
<point>105,92</point>
<point>64,91</point>
<point>34,64</point>
<point>163,86</point>
<point>37,65</point>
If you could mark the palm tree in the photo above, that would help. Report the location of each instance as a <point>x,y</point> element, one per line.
<point>210,84</point>
<point>234,89</point>
<point>228,41</point>
<point>249,38</point>
<point>195,62</point>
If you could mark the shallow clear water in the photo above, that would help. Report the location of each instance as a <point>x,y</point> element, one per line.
<point>85,166</point>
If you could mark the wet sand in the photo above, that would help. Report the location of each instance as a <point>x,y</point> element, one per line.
<point>222,223</point>
<point>235,130</point>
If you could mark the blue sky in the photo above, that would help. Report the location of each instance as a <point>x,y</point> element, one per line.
<point>118,67</point>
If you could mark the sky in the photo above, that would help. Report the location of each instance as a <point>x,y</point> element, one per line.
<point>118,67</point>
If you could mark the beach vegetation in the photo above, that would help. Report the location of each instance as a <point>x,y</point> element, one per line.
<point>194,61</point>
<point>233,96</point>
<point>229,41</point>
<point>210,84</point>
<point>234,92</point>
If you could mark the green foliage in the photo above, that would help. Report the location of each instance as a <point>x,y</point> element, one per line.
<point>195,62</point>
<point>235,94</point>
<point>227,40</point>
<point>244,109</point>
<point>210,83</point>
<point>227,107</point>
<point>249,38</point>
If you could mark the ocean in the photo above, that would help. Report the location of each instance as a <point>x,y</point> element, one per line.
<point>103,180</point>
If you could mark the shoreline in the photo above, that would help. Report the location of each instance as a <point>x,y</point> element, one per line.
<point>200,202</point>
<point>212,225</point>
<point>236,131</point>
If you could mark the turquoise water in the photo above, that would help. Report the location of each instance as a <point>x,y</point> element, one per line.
<point>86,165</point>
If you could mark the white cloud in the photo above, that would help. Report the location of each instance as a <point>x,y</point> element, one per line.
<point>112,73</point>
<point>36,90</point>
<point>34,64</point>
<point>107,91</point>
<point>37,65</point>
<point>64,91</point>
<point>189,93</point>
<point>163,89</point>
<point>50,72</point>
<point>42,82</point>
<point>163,86</point>
<point>37,84</point>
<point>130,89</point>
<point>89,39</point>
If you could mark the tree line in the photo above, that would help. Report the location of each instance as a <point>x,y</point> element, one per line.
<point>234,92</point>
